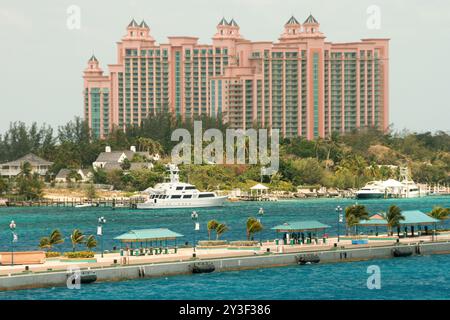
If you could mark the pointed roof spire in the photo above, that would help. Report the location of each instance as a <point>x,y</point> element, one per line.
<point>233,23</point>
<point>311,19</point>
<point>143,25</point>
<point>93,58</point>
<point>223,22</point>
<point>292,20</point>
<point>133,23</point>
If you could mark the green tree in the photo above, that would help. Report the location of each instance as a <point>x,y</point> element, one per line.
<point>44,243</point>
<point>393,218</point>
<point>126,164</point>
<point>149,145</point>
<point>4,186</point>
<point>221,229</point>
<point>91,242</point>
<point>25,170</point>
<point>354,214</point>
<point>212,225</point>
<point>253,226</point>
<point>77,237</point>
<point>100,176</point>
<point>91,193</point>
<point>439,213</point>
<point>54,239</point>
<point>73,175</point>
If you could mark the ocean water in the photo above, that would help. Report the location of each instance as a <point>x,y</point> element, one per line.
<point>424,277</point>
<point>34,223</point>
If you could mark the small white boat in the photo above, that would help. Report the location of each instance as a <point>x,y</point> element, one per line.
<point>84,205</point>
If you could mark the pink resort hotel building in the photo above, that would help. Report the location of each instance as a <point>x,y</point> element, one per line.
<point>301,84</point>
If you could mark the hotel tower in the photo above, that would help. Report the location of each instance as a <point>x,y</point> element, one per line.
<point>301,84</point>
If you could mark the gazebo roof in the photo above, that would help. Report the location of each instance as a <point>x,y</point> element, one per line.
<point>296,226</point>
<point>148,235</point>
<point>259,186</point>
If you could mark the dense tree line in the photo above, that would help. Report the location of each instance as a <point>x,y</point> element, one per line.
<point>342,161</point>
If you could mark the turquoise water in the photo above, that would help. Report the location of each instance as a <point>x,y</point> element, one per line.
<point>34,223</point>
<point>402,278</point>
<point>408,278</point>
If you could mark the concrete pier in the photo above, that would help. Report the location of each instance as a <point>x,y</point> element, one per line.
<point>261,260</point>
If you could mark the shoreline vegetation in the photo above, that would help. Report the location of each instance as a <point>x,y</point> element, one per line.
<point>338,162</point>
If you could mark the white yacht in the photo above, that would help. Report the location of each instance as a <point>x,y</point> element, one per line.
<point>176,194</point>
<point>406,188</point>
<point>410,188</point>
<point>372,190</point>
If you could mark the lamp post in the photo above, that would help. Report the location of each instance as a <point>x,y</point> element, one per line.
<point>339,221</point>
<point>194,216</point>
<point>12,227</point>
<point>101,222</point>
<point>260,215</point>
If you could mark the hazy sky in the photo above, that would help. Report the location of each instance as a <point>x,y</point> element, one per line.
<point>41,59</point>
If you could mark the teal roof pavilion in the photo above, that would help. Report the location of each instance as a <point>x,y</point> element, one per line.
<point>412,217</point>
<point>148,235</point>
<point>297,226</point>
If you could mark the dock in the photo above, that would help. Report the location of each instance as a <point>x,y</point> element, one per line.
<point>115,268</point>
<point>73,202</point>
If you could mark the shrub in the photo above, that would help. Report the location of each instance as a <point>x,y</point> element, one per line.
<point>79,254</point>
<point>52,254</point>
<point>212,243</point>
<point>243,243</point>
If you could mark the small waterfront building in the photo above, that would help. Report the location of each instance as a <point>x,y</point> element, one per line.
<point>259,190</point>
<point>413,218</point>
<point>301,231</point>
<point>112,160</point>
<point>38,165</point>
<point>84,175</point>
<point>149,237</point>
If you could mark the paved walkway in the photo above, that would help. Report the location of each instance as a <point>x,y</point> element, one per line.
<point>185,254</point>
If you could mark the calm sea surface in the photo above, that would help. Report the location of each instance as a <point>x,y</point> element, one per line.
<point>424,277</point>
<point>409,278</point>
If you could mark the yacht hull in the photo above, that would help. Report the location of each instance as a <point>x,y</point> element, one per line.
<point>182,203</point>
<point>369,195</point>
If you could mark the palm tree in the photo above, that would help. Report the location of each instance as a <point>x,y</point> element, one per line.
<point>49,242</point>
<point>212,225</point>
<point>221,229</point>
<point>77,237</point>
<point>91,242</point>
<point>44,243</point>
<point>439,213</point>
<point>355,213</point>
<point>253,226</point>
<point>352,221</point>
<point>393,217</point>
<point>56,237</point>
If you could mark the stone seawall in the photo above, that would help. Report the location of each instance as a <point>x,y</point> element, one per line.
<point>53,279</point>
